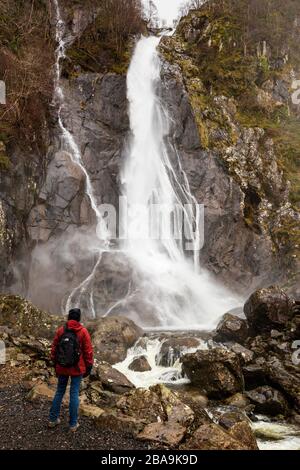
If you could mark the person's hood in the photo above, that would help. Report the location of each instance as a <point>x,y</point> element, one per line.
<point>74,325</point>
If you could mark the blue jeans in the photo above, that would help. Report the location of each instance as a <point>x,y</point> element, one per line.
<point>59,395</point>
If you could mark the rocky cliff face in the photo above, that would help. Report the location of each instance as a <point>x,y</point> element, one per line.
<point>47,225</point>
<point>233,168</point>
<point>236,166</point>
<point>95,112</point>
<point>26,58</point>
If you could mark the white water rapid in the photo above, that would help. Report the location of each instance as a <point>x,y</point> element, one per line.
<point>68,143</point>
<point>150,348</point>
<point>183,295</point>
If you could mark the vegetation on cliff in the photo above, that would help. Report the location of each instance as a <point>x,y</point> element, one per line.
<point>104,45</point>
<point>239,60</point>
<point>26,59</point>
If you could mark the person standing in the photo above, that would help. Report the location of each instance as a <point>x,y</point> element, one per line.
<point>72,355</point>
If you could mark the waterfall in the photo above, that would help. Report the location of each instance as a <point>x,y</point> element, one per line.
<point>171,290</point>
<point>182,294</point>
<point>69,144</point>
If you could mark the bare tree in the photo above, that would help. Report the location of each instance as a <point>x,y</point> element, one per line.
<point>190,5</point>
<point>120,18</point>
<point>151,15</point>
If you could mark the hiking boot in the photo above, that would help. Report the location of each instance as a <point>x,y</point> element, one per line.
<point>74,428</point>
<point>53,424</point>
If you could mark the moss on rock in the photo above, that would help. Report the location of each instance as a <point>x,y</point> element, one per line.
<point>22,317</point>
<point>238,75</point>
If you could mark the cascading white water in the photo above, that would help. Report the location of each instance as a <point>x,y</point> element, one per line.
<point>150,348</point>
<point>182,295</point>
<point>69,144</point>
<point>170,282</point>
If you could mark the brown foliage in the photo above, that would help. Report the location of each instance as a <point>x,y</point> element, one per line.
<point>120,18</point>
<point>26,59</point>
<point>103,46</point>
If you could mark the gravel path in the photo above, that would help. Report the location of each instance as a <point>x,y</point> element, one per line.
<point>23,425</point>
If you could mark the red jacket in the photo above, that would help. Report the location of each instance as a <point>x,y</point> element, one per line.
<point>86,350</point>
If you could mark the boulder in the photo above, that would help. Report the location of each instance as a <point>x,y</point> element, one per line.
<point>232,328</point>
<point>238,426</point>
<point>246,356</point>
<point>114,420</point>
<point>197,403</point>
<point>143,404</point>
<point>189,394</point>
<point>242,432</point>
<point>238,400</point>
<point>173,348</point>
<point>39,348</point>
<point>217,372</point>
<point>23,318</point>
<point>140,364</point>
<point>285,377</point>
<point>170,434</point>
<point>90,411</point>
<point>99,397</point>
<point>112,336</point>
<point>268,401</point>
<point>254,375</point>
<point>230,418</point>
<point>268,309</point>
<point>175,410</point>
<point>42,391</point>
<point>212,437</point>
<point>113,380</point>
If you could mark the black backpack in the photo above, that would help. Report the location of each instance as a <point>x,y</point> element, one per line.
<point>68,349</point>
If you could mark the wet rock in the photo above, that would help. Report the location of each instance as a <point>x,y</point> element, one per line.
<point>170,434</point>
<point>244,354</point>
<point>112,336</point>
<point>268,401</point>
<point>268,309</point>
<point>239,400</point>
<point>212,437</point>
<point>242,432</point>
<point>113,380</point>
<point>232,328</point>
<point>230,418</point>
<point>140,364</point>
<point>197,403</point>
<point>173,348</point>
<point>285,377</point>
<point>142,404</point>
<point>216,372</point>
<point>254,376</point>
<point>190,394</point>
<point>175,410</point>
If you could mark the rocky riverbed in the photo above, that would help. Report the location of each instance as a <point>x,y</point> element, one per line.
<point>235,388</point>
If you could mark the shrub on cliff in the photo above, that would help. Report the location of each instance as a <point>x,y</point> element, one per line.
<point>103,45</point>
<point>26,58</point>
